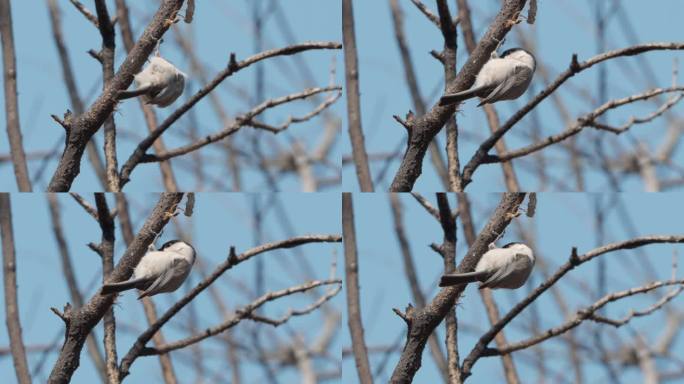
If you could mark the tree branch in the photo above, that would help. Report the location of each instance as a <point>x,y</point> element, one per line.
<point>81,321</point>
<point>351,72</point>
<point>9,272</point>
<point>422,322</point>
<point>84,126</point>
<point>232,260</point>
<point>351,268</point>
<point>575,67</point>
<point>424,128</point>
<point>573,261</point>
<point>9,65</point>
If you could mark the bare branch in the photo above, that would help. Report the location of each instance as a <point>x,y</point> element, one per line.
<point>81,321</point>
<point>351,267</point>
<point>240,122</point>
<point>351,72</point>
<point>85,125</point>
<point>85,12</point>
<point>575,67</point>
<point>229,263</point>
<point>9,268</point>
<point>9,65</point>
<point>582,122</point>
<point>589,313</point>
<point>573,261</point>
<point>426,127</point>
<point>422,322</point>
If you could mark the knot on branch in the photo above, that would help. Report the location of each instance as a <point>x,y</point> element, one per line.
<point>516,19</point>
<point>232,257</point>
<point>574,258</point>
<point>232,63</point>
<point>439,249</point>
<point>488,159</point>
<point>65,316</point>
<point>96,55</point>
<point>490,352</point>
<point>66,122</point>
<point>148,351</point>
<point>97,248</point>
<point>406,316</point>
<point>574,64</point>
<point>438,55</point>
<point>531,204</point>
<point>408,122</point>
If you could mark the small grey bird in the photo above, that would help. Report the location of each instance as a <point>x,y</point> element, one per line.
<point>505,267</point>
<point>501,78</point>
<point>159,83</point>
<point>159,271</point>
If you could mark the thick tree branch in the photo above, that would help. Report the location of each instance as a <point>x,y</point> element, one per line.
<point>232,260</point>
<point>575,67</point>
<point>573,261</point>
<point>351,268</point>
<point>424,128</point>
<point>71,281</point>
<point>9,273</point>
<point>81,321</point>
<point>422,322</point>
<point>232,67</point>
<point>84,126</point>
<point>9,65</point>
<point>351,74</point>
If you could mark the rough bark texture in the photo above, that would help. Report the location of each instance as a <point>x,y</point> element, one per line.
<point>9,269</point>
<point>79,322</point>
<point>351,71</point>
<point>81,128</point>
<point>351,267</point>
<point>9,65</point>
<point>422,322</point>
<point>424,128</point>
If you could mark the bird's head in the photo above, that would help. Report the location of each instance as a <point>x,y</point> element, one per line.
<point>520,55</point>
<point>520,248</point>
<point>179,246</point>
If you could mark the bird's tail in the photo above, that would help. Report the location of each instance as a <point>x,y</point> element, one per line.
<point>459,96</point>
<point>122,286</point>
<point>462,278</point>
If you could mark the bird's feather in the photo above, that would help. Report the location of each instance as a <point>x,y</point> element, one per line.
<point>462,278</point>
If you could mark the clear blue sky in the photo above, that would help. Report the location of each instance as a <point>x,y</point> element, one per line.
<point>219,28</point>
<point>219,221</point>
<point>562,221</point>
<point>563,27</point>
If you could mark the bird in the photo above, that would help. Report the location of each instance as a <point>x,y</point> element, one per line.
<point>158,271</point>
<point>505,267</point>
<point>505,77</point>
<point>159,83</point>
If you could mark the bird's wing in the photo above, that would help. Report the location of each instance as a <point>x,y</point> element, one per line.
<point>520,262</point>
<point>516,78</point>
<point>460,96</point>
<point>124,285</point>
<point>462,278</point>
<point>177,269</point>
<point>174,88</point>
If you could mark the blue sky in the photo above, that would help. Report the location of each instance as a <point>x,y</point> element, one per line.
<point>219,221</point>
<point>220,28</point>
<point>563,27</point>
<point>562,221</point>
